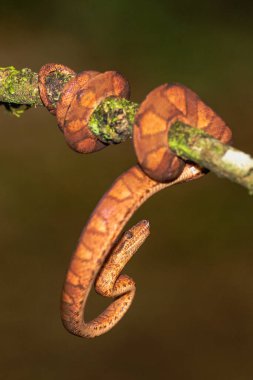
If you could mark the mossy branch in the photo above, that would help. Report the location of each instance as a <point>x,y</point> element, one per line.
<point>19,86</point>
<point>223,160</point>
<point>113,120</point>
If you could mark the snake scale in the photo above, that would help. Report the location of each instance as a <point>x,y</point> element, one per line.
<point>102,252</point>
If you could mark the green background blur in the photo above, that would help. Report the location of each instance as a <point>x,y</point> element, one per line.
<point>193,313</point>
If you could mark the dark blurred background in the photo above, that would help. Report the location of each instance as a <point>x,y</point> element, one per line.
<point>193,313</point>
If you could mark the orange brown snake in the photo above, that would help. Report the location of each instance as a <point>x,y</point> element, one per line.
<point>98,258</point>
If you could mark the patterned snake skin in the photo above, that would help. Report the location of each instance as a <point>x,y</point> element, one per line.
<point>100,254</point>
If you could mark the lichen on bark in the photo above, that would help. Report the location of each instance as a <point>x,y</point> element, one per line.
<point>113,119</point>
<point>19,86</point>
<point>225,161</point>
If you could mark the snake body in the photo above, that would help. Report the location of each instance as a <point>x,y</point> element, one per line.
<point>96,242</point>
<point>101,253</point>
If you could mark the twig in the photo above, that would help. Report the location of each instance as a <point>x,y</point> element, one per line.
<point>113,120</point>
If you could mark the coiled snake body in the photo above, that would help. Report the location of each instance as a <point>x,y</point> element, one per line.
<point>98,258</point>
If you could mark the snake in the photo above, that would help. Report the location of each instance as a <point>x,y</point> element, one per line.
<point>103,250</point>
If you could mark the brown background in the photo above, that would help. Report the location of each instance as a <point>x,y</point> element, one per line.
<point>193,314</point>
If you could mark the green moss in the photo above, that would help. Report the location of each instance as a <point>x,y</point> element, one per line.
<point>188,142</point>
<point>9,83</point>
<point>113,119</point>
<point>16,109</point>
<point>197,146</point>
<point>55,82</point>
<point>19,86</point>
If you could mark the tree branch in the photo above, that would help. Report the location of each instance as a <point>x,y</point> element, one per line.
<point>113,119</point>
<point>19,86</point>
<point>223,160</point>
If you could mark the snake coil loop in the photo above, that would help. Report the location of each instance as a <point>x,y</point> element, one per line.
<point>79,98</point>
<point>97,259</point>
<point>159,111</point>
<point>43,76</point>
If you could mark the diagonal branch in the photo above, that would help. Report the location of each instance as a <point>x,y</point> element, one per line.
<point>113,120</point>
